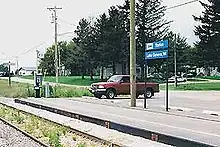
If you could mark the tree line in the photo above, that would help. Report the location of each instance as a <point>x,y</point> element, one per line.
<point>104,41</point>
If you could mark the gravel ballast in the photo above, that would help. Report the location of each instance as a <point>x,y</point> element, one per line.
<point>10,137</point>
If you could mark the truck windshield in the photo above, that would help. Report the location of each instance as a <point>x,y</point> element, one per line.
<point>114,79</point>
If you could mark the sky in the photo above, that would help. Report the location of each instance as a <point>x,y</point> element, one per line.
<point>26,25</point>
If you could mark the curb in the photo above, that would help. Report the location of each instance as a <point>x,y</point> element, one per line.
<point>213,113</point>
<point>179,108</point>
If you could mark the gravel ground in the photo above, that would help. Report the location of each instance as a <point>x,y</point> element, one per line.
<point>9,137</point>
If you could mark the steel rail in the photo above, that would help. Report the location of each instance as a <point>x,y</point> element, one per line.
<point>23,132</point>
<point>77,132</point>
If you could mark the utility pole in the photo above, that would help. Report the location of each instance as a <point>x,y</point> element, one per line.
<point>9,73</point>
<point>56,46</point>
<point>17,65</point>
<point>37,61</point>
<point>175,66</point>
<point>132,54</point>
<point>59,60</point>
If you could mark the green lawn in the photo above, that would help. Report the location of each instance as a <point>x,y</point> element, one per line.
<point>211,77</point>
<point>77,80</point>
<point>72,80</point>
<point>27,90</point>
<point>195,87</point>
<point>16,89</point>
<point>196,80</point>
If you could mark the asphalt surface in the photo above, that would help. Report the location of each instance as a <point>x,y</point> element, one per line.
<point>200,130</point>
<point>199,102</point>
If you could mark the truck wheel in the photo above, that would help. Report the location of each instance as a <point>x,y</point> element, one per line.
<point>110,94</point>
<point>98,96</point>
<point>149,93</point>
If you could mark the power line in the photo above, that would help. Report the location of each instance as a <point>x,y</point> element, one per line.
<point>15,57</point>
<point>25,52</point>
<point>37,46</point>
<point>183,4</point>
<point>66,22</point>
<point>33,48</point>
<point>65,33</point>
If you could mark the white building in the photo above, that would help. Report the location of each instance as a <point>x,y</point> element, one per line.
<point>108,71</point>
<point>212,71</point>
<point>26,71</point>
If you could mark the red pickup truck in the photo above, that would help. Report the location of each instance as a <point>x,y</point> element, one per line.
<point>120,84</point>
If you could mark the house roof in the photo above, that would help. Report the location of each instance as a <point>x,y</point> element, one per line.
<point>29,68</point>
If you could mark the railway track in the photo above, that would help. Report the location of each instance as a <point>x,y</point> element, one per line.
<point>83,135</point>
<point>14,135</point>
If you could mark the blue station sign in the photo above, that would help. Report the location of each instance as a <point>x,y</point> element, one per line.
<point>162,54</point>
<point>157,45</point>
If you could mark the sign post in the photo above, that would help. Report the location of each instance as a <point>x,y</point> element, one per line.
<point>9,73</point>
<point>145,84</point>
<point>167,100</point>
<point>157,50</point>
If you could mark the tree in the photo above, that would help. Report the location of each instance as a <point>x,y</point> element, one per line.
<point>111,39</point>
<point>178,43</point>
<point>47,64</point>
<point>3,68</point>
<point>209,34</point>
<point>151,26</point>
<point>193,56</point>
<point>183,55</point>
<point>69,55</point>
<point>117,38</point>
<point>125,18</point>
<point>85,41</point>
<point>101,33</point>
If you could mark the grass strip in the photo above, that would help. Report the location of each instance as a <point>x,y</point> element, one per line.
<point>71,80</point>
<point>48,132</point>
<point>21,90</point>
<point>195,87</point>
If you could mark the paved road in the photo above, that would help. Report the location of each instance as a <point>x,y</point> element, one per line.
<point>197,100</point>
<point>185,127</point>
<point>201,103</point>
